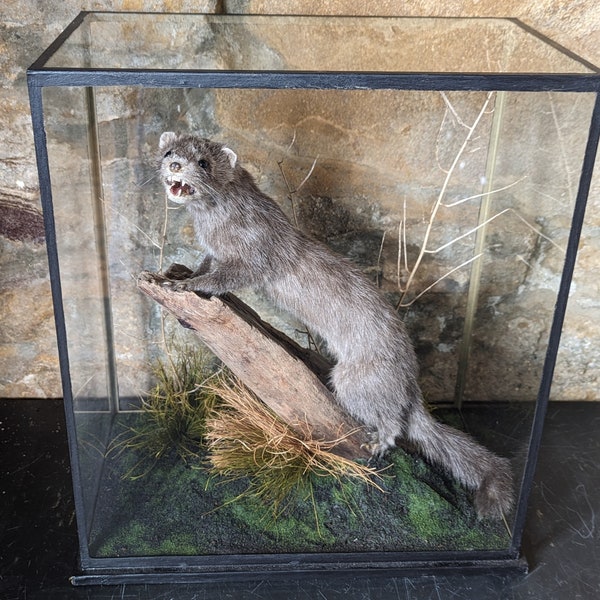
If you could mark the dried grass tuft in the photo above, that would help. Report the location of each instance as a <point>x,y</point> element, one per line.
<point>246,439</point>
<point>214,421</point>
<point>175,411</point>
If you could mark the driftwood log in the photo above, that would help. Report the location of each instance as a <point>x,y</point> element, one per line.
<point>291,380</point>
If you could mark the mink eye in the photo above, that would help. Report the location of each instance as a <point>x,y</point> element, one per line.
<point>168,154</point>
<point>203,163</point>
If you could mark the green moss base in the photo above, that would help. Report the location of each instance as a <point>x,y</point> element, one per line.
<point>178,509</point>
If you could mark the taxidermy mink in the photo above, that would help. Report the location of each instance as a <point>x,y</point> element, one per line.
<point>249,242</point>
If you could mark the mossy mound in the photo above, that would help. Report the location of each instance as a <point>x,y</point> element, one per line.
<point>179,508</point>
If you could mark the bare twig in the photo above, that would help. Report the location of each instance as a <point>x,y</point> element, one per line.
<point>438,203</point>
<point>293,191</point>
<point>312,168</point>
<point>422,293</point>
<point>502,189</point>
<point>405,304</point>
<point>379,256</point>
<point>130,223</point>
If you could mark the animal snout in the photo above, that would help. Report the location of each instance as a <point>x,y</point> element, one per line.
<point>175,167</point>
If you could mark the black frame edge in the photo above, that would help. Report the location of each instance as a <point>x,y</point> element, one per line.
<point>562,298</point>
<point>550,42</point>
<point>43,169</point>
<point>509,566</point>
<point>517,82</point>
<point>58,42</point>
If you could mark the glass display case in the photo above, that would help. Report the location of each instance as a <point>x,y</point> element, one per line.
<point>450,158</point>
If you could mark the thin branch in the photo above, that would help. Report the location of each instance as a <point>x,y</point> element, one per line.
<point>453,111</point>
<point>506,210</point>
<point>468,233</point>
<point>437,142</point>
<point>442,193</point>
<point>502,189</point>
<point>423,292</point>
<point>379,257</point>
<point>292,142</point>
<point>402,246</point>
<point>399,260</point>
<point>312,168</point>
<point>292,192</point>
<point>502,212</point>
<point>130,223</point>
<point>404,238</point>
<point>163,237</point>
<point>424,250</point>
<point>536,230</point>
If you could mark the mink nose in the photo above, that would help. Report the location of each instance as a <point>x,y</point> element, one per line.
<point>175,166</point>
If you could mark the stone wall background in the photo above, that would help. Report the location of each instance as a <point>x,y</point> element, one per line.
<point>27,341</point>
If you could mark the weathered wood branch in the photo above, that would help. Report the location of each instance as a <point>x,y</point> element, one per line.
<point>286,377</point>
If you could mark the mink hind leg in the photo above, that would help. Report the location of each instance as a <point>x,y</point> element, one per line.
<point>375,393</point>
<point>363,391</point>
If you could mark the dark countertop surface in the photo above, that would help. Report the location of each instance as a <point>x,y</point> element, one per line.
<point>38,540</point>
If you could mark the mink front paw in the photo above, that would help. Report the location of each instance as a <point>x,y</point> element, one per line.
<point>177,286</point>
<point>187,285</point>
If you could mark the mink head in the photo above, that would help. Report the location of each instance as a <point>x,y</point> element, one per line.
<point>192,167</point>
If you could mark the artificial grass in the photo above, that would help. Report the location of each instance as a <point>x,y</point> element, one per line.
<point>180,508</point>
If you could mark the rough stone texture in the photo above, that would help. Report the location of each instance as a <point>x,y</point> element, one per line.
<point>351,201</point>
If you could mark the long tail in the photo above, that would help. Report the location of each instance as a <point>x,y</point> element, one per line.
<point>470,463</point>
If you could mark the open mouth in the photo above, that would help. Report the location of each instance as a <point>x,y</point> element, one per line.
<point>179,188</point>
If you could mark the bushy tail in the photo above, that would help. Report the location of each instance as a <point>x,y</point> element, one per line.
<point>471,464</point>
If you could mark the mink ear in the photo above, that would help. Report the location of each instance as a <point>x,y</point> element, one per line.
<point>231,155</point>
<point>166,139</point>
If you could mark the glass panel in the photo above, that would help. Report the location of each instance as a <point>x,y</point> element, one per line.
<point>80,233</point>
<point>80,230</point>
<point>143,232</point>
<point>529,213</point>
<point>267,43</point>
<point>401,182</point>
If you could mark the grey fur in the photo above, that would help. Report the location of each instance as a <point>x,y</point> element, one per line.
<point>250,243</point>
